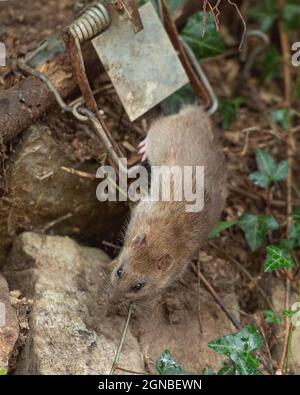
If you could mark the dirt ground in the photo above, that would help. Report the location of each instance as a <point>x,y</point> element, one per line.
<point>24,24</point>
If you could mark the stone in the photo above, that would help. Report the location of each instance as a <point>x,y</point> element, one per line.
<point>42,197</point>
<point>176,327</point>
<point>70,332</point>
<point>9,326</point>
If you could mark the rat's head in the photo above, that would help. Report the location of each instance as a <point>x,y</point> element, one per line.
<point>142,270</point>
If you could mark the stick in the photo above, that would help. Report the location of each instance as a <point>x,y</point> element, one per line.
<point>285,48</point>
<point>214,294</point>
<point>122,340</point>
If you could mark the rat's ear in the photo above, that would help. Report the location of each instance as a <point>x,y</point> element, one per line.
<point>139,240</point>
<point>165,262</point>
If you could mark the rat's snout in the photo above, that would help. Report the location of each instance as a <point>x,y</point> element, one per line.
<point>114,297</point>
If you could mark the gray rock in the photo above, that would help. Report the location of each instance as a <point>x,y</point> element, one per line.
<point>70,331</point>
<point>9,326</point>
<point>44,198</point>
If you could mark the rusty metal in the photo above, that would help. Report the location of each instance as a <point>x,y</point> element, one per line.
<point>72,36</point>
<point>197,67</point>
<point>174,37</point>
<point>130,7</point>
<point>247,59</point>
<point>144,67</point>
<point>92,21</point>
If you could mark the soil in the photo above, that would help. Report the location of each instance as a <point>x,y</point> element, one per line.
<point>24,24</point>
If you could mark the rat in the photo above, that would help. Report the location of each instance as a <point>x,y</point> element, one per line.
<point>162,238</point>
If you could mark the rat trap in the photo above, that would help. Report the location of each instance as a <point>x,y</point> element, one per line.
<point>133,46</point>
<point>144,67</point>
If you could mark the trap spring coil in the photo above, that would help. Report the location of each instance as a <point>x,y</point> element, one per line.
<point>93,21</point>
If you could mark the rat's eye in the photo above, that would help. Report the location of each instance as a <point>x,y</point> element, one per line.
<point>137,287</point>
<point>119,272</point>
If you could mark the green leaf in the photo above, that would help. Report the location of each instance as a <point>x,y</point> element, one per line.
<point>205,46</point>
<point>288,313</point>
<point>166,364</point>
<point>3,372</point>
<point>277,258</point>
<point>288,244</point>
<point>256,228</point>
<point>247,340</point>
<point>281,117</point>
<point>264,14</point>
<point>271,64</point>
<point>219,227</point>
<point>229,109</point>
<point>294,231</point>
<point>177,100</point>
<point>296,214</point>
<point>247,364</point>
<point>227,370</point>
<point>269,171</point>
<point>208,372</point>
<point>281,171</point>
<point>271,318</point>
<point>260,179</point>
<point>291,15</point>
<point>239,348</point>
<point>265,162</point>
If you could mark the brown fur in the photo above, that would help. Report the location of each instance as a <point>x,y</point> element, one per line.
<point>162,237</point>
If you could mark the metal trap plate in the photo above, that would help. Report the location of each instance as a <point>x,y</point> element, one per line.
<point>143,67</point>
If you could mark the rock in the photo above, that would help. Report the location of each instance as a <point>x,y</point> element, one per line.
<point>70,332</point>
<point>278,300</point>
<point>175,326</point>
<point>9,326</point>
<point>42,197</point>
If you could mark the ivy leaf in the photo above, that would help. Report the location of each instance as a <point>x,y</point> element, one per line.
<point>256,228</point>
<point>271,63</point>
<point>265,162</point>
<point>229,109</point>
<point>281,171</point>
<point>265,14</point>
<point>205,46</point>
<point>247,340</point>
<point>288,244</point>
<point>219,227</point>
<point>268,170</point>
<point>294,231</point>
<point>271,318</point>
<point>247,364</point>
<point>288,313</point>
<point>3,372</point>
<point>177,100</point>
<point>278,258</point>
<point>281,117</point>
<point>239,348</point>
<point>227,370</point>
<point>166,364</point>
<point>291,14</point>
<point>260,179</point>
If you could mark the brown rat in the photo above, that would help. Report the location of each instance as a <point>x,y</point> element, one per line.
<point>162,237</point>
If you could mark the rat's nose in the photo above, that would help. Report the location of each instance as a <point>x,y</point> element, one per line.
<point>113,298</point>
